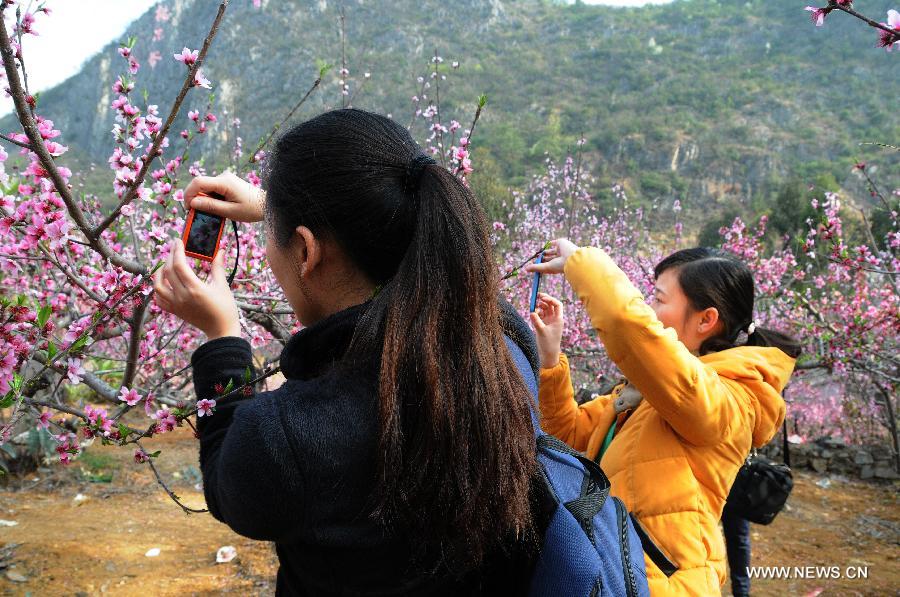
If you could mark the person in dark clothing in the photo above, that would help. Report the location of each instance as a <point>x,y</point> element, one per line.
<point>737,545</point>
<point>398,457</point>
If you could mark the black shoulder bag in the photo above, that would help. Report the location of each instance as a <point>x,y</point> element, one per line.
<point>761,487</point>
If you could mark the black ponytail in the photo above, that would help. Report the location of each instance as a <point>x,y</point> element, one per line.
<point>456,450</point>
<point>713,278</point>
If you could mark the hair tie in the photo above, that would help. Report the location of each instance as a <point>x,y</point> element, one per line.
<point>414,170</point>
<point>751,328</point>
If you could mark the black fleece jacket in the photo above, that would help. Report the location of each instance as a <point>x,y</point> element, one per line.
<point>296,466</point>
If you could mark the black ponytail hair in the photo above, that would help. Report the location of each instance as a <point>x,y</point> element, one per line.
<point>713,278</point>
<point>456,451</point>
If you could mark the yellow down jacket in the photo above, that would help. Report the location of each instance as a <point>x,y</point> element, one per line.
<point>674,457</point>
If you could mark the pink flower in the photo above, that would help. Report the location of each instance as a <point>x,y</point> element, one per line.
<point>74,370</point>
<point>205,407</point>
<point>165,420</point>
<point>58,232</point>
<point>148,405</point>
<point>43,422</point>
<point>129,397</point>
<point>818,14</point>
<point>187,56</point>
<point>153,58</point>
<point>201,81</point>
<point>55,149</point>
<point>194,115</point>
<point>888,40</point>
<point>140,456</point>
<point>27,22</point>
<point>257,3</point>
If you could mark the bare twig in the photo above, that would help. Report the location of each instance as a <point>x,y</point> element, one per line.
<point>72,277</point>
<point>172,494</point>
<point>21,55</point>
<point>482,100</point>
<point>60,407</point>
<point>514,271</point>
<point>437,107</point>
<point>14,142</point>
<point>263,144</point>
<point>573,194</point>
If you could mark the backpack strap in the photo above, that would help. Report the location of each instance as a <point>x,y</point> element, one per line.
<point>667,566</point>
<point>594,487</point>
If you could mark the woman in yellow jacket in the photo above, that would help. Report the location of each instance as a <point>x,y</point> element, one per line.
<point>671,440</point>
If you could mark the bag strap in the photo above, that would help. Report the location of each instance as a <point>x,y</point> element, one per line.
<point>606,441</point>
<point>656,555</point>
<point>787,444</point>
<point>593,469</point>
<point>786,451</point>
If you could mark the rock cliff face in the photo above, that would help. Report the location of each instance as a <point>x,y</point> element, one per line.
<point>700,99</point>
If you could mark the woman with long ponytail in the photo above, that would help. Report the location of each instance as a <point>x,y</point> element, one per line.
<point>397,457</point>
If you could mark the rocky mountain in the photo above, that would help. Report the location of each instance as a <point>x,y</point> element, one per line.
<point>709,101</point>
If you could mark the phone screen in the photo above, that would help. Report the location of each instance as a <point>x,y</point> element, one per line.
<point>204,234</point>
<point>535,285</point>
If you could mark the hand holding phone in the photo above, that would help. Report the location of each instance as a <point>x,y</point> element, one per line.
<point>548,320</point>
<point>228,196</point>
<point>202,232</point>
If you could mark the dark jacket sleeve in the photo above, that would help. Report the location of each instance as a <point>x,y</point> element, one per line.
<point>251,479</point>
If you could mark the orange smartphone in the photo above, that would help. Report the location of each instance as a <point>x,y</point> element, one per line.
<point>202,232</point>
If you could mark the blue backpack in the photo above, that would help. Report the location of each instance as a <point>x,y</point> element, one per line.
<point>591,546</point>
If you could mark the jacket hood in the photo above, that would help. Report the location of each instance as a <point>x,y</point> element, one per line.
<point>765,372</point>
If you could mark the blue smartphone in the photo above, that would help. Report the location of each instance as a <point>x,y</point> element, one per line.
<point>535,284</point>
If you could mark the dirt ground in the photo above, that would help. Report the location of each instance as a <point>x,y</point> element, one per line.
<point>97,545</point>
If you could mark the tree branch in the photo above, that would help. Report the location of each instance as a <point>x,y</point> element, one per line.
<point>136,325</point>
<point>270,324</point>
<point>850,11</point>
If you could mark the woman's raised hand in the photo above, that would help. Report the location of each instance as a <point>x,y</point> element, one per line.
<point>548,320</point>
<point>208,306</point>
<point>554,257</point>
<point>242,201</point>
